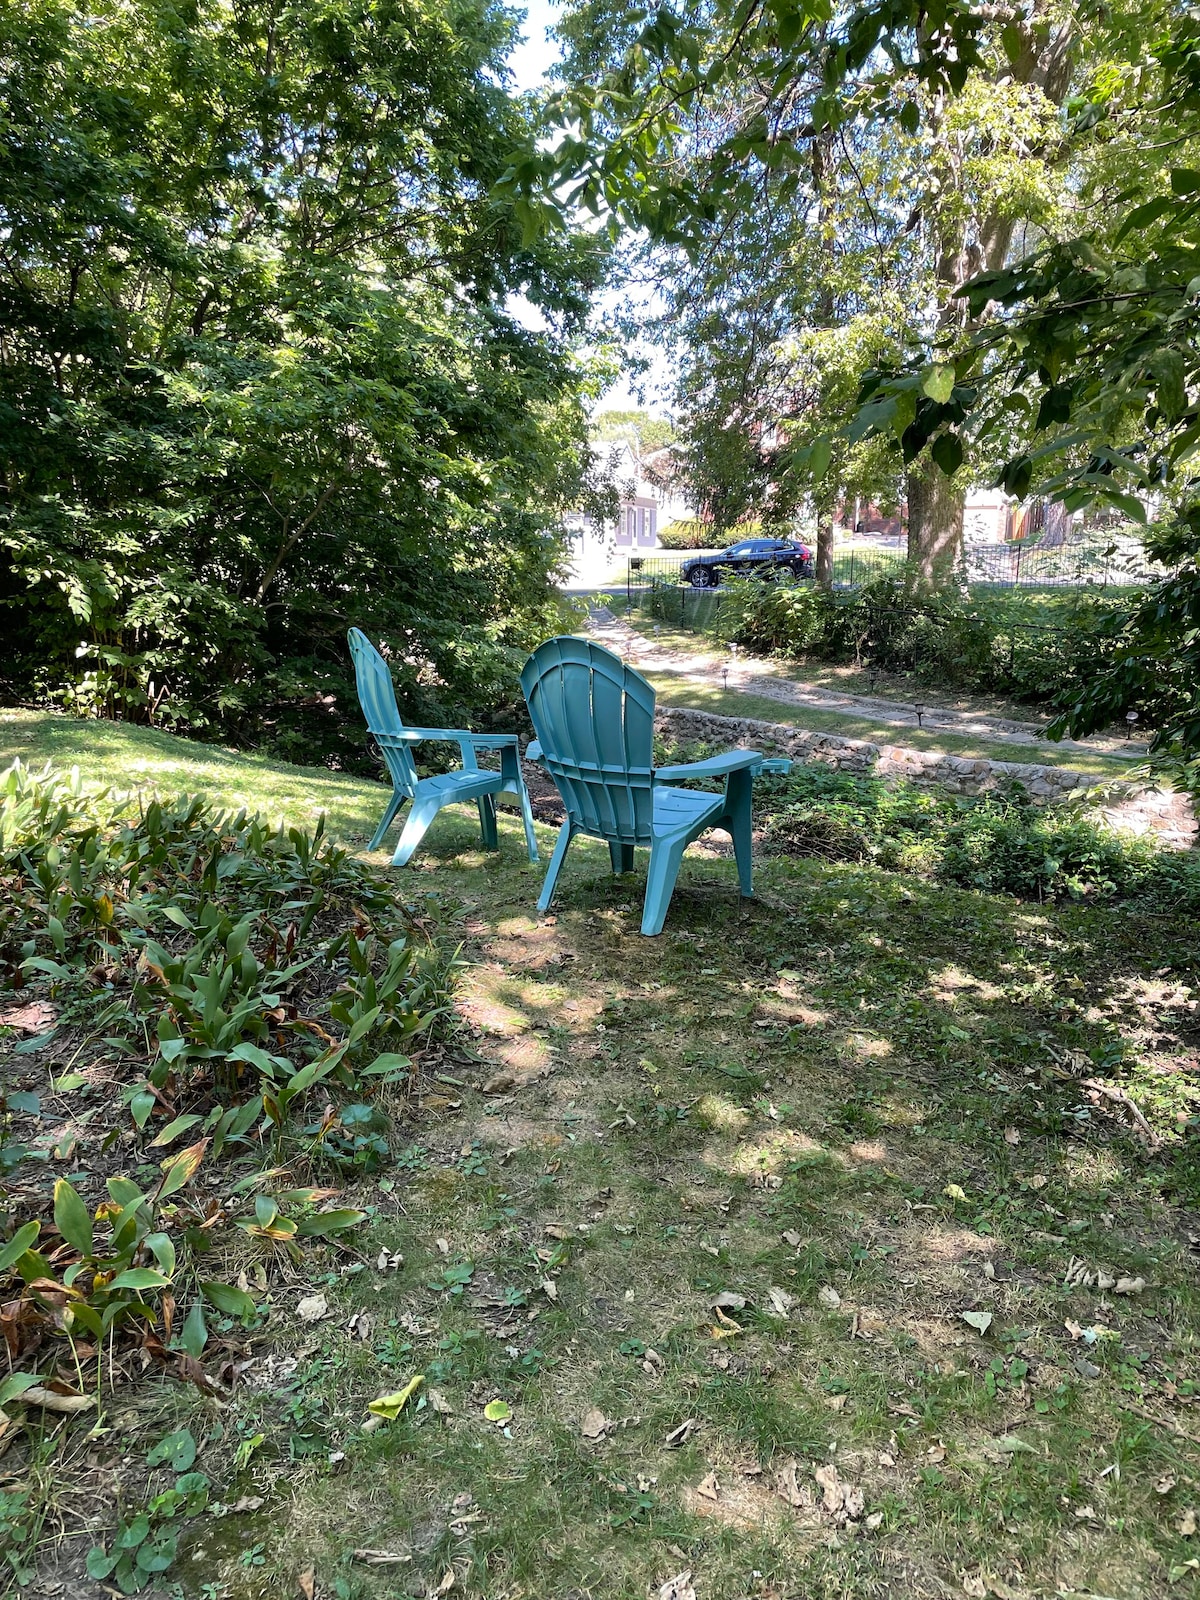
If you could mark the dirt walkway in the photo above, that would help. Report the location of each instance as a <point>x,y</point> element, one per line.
<point>755,675</point>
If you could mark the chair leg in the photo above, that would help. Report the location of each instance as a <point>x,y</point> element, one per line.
<point>739,821</point>
<point>665,856</point>
<point>621,856</point>
<point>487,822</point>
<point>419,817</point>
<point>385,822</point>
<point>527,819</point>
<point>556,861</point>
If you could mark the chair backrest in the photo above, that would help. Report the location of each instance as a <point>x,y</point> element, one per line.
<point>377,697</point>
<point>594,719</point>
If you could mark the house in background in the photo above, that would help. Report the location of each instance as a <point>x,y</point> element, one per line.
<point>650,496</point>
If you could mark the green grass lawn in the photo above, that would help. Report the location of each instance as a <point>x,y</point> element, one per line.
<point>677,688</point>
<point>143,759</point>
<point>854,1108</point>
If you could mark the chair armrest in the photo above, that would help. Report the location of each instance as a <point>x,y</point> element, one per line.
<point>780,764</point>
<point>714,767</point>
<point>533,751</point>
<point>482,741</point>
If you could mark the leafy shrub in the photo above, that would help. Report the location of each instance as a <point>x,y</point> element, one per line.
<point>985,645</point>
<point>230,970</point>
<point>687,534</point>
<point>998,843</point>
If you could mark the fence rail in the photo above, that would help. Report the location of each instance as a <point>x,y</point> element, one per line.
<point>1088,564</point>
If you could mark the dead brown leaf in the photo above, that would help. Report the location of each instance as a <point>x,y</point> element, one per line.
<point>681,1434</point>
<point>307,1583</point>
<point>595,1424</point>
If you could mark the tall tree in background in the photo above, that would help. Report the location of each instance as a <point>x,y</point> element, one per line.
<point>785,208</point>
<point>259,374</point>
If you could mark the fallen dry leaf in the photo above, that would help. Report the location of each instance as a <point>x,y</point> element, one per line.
<point>678,1588</point>
<point>549,1288</point>
<point>841,1500</point>
<point>791,1237</point>
<point>500,1083</point>
<point>835,1402</point>
<point>595,1424</point>
<point>307,1583</point>
<point>681,1434</point>
<point>936,1453</point>
<point>1129,1285</point>
<point>829,1297</point>
<point>1011,1136</point>
<point>728,1300</point>
<point>53,1400</point>
<point>779,1302</point>
<point>33,1017</point>
<point>312,1308</point>
<point>1187,1523</point>
<point>788,1486</point>
<point>248,1502</point>
<point>974,1585</point>
<point>709,1487</point>
<point>1165,1484</point>
<point>389,1261</point>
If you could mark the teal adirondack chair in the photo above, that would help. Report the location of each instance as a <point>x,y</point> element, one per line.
<point>377,696</point>
<point>594,721</point>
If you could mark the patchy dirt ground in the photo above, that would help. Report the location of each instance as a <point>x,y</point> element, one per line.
<point>794,1251</point>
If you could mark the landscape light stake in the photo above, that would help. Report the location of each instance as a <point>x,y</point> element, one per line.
<point>919,708</point>
<point>1130,718</point>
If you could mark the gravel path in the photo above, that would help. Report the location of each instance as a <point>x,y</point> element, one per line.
<point>768,679</point>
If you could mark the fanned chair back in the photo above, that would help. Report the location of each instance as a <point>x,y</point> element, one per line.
<point>377,696</point>
<point>594,719</point>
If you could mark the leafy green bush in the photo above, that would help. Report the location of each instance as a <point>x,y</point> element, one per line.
<point>989,645</point>
<point>999,843</point>
<point>688,534</point>
<point>220,972</point>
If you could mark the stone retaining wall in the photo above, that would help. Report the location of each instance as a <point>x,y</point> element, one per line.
<point>1134,808</point>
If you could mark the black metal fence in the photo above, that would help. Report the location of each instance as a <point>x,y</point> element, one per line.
<point>1087,564</point>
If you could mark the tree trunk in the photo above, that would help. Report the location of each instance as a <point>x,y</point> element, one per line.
<point>824,562</point>
<point>935,529</point>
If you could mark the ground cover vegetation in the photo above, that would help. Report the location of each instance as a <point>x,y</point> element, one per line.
<point>967,235</point>
<point>260,372</point>
<point>216,1021</point>
<point>842,1251</point>
<point>990,643</point>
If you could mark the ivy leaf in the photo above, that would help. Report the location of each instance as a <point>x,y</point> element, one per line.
<point>176,1450</point>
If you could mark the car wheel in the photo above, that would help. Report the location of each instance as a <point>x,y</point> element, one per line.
<point>699,578</point>
<point>799,570</point>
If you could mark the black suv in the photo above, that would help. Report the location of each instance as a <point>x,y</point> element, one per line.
<point>758,558</point>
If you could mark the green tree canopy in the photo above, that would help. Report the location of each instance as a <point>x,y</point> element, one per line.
<point>261,375</point>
